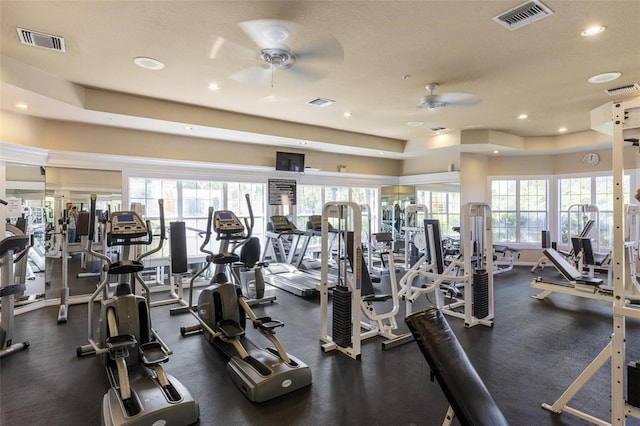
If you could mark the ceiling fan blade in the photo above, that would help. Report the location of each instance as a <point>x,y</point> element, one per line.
<point>255,75</point>
<point>270,33</point>
<point>325,49</point>
<point>222,48</point>
<point>304,74</point>
<point>459,99</point>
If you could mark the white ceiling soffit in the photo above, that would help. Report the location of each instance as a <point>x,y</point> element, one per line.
<point>46,41</point>
<point>522,15</point>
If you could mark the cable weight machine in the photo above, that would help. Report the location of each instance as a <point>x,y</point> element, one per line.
<point>475,304</point>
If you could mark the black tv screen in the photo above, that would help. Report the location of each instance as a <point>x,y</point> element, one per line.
<point>289,162</point>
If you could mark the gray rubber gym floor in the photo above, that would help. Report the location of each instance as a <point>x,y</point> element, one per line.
<point>530,356</point>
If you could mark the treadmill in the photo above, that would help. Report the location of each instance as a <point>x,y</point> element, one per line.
<point>282,273</point>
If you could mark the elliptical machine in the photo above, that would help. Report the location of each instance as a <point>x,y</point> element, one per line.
<point>261,374</point>
<point>13,250</point>
<point>141,392</point>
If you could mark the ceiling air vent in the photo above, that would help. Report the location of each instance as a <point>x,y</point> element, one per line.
<point>46,41</point>
<point>624,90</point>
<point>437,129</point>
<point>321,102</point>
<point>522,15</point>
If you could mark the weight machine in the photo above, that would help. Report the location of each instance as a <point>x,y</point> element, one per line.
<point>353,294</point>
<point>414,240</point>
<point>475,304</point>
<point>625,120</point>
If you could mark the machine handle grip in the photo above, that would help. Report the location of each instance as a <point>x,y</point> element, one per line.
<point>92,216</point>
<point>163,231</point>
<point>3,202</point>
<point>250,223</point>
<point>207,236</point>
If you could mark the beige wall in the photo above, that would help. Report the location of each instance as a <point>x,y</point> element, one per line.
<point>431,161</point>
<point>473,178</point>
<point>61,176</point>
<point>21,129</point>
<point>556,164</point>
<point>77,137</point>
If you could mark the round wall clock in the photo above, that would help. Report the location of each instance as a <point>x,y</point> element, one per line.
<point>591,159</point>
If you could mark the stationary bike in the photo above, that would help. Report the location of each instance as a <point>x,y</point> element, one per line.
<point>141,392</point>
<point>261,374</point>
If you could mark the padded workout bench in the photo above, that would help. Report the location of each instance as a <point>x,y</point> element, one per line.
<point>577,284</point>
<point>468,397</point>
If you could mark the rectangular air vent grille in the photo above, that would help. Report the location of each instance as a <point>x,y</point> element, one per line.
<point>46,41</point>
<point>438,129</point>
<point>321,102</point>
<point>522,15</point>
<point>624,90</point>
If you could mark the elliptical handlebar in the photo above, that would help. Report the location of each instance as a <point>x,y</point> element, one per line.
<point>150,232</point>
<point>249,223</point>
<point>207,234</point>
<point>92,225</point>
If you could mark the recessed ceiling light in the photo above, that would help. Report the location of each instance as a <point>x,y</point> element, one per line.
<point>188,128</point>
<point>414,123</point>
<point>381,153</point>
<point>604,77</point>
<point>148,63</point>
<point>347,114</point>
<point>496,152</point>
<point>592,31</point>
<point>523,117</point>
<point>214,87</point>
<point>21,105</point>
<point>562,129</point>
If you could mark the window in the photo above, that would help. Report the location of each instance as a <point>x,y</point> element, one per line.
<point>444,206</point>
<point>595,191</point>
<point>518,210</point>
<point>189,201</point>
<point>311,200</point>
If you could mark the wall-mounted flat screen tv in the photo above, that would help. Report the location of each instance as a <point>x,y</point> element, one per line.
<point>289,162</point>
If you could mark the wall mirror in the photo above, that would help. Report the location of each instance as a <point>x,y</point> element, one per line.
<point>26,185</point>
<point>66,186</point>
<point>393,201</point>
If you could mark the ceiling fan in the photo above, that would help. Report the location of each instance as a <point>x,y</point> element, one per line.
<point>287,50</point>
<point>453,99</point>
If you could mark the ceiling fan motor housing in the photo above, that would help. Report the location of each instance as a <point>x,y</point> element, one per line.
<point>278,58</point>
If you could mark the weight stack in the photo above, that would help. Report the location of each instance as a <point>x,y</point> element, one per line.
<point>341,330</point>
<point>480,293</point>
<point>633,384</point>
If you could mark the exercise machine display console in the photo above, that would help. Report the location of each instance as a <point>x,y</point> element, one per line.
<point>226,223</point>
<point>127,225</point>
<point>281,224</point>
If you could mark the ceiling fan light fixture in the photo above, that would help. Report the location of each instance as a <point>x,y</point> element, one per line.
<point>276,34</point>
